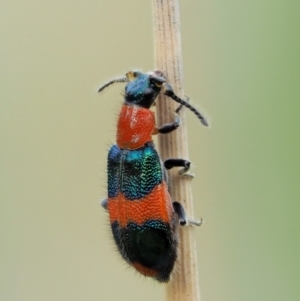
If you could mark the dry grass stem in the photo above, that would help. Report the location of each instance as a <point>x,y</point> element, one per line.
<point>184,286</point>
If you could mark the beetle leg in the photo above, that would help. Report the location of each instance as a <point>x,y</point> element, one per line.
<point>183,220</point>
<point>170,163</point>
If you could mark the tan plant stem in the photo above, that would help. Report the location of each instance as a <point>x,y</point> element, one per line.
<point>184,285</point>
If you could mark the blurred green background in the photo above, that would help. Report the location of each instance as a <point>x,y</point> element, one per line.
<point>241,67</point>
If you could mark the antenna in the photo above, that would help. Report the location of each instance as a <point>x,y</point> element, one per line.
<point>170,93</point>
<point>116,80</point>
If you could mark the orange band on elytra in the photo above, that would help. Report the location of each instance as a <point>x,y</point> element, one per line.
<point>155,206</point>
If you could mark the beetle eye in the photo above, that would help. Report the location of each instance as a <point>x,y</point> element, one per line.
<point>156,82</point>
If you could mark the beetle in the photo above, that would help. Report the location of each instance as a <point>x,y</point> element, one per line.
<point>142,215</point>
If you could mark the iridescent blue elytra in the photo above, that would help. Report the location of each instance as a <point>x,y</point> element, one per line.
<point>141,212</point>
<point>134,173</point>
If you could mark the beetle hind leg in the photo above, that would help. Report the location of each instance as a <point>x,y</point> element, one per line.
<point>183,220</point>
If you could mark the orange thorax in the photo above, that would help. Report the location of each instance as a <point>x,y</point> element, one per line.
<point>135,127</point>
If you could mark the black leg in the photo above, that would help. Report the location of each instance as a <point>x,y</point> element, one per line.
<point>170,163</point>
<point>170,127</point>
<point>183,220</point>
<point>178,208</point>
